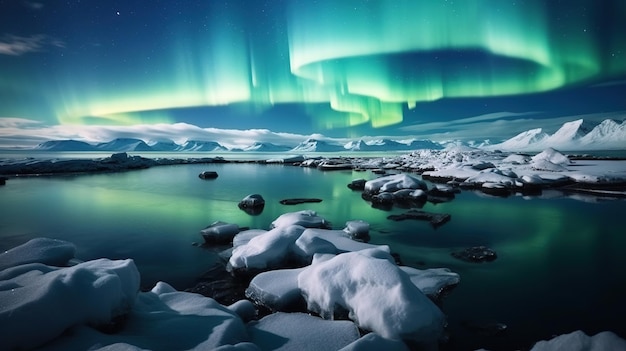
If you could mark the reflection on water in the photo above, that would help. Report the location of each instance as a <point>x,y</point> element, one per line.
<point>559,265</point>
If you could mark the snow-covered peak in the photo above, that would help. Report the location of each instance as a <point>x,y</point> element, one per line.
<point>65,145</point>
<point>524,139</point>
<point>266,147</point>
<point>197,145</point>
<point>124,144</point>
<point>314,145</point>
<point>570,131</point>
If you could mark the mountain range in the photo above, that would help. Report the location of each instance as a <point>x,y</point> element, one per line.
<point>578,135</point>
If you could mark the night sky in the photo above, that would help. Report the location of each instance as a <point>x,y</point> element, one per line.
<point>467,70</point>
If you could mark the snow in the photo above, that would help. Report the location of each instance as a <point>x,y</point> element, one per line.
<point>378,295</point>
<point>283,331</point>
<point>373,341</point>
<point>394,183</point>
<point>573,135</point>
<point>92,292</point>
<point>314,241</point>
<point>276,290</point>
<point>220,232</point>
<point>552,156</point>
<point>39,250</point>
<point>579,341</point>
<point>305,218</point>
<point>267,250</point>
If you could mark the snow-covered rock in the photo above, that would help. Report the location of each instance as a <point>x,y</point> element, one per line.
<point>394,183</point>
<point>316,241</point>
<point>39,302</point>
<point>305,218</point>
<point>432,281</point>
<point>357,229</point>
<point>219,232</point>
<point>579,341</point>
<point>553,156</point>
<point>51,252</point>
<point>378,295</point>
<point>277,290</point>
<point>267,250</point>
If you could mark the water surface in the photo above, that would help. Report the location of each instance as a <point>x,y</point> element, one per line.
<point>559,267</point>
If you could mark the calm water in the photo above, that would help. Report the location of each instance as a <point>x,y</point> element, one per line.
<point>560,263</point>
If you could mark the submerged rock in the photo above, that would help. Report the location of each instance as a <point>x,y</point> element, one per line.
<point>3,180</point>
<point>436,219</point>
<point>476,254</point>
<point>208,175</point>
<point>296,201</point>
<point>252,204</point>
<point>219,233</point>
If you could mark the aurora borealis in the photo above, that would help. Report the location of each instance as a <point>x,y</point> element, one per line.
<point>341,68</point>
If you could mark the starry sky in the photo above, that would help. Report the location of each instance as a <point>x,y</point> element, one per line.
<point>435,69</point>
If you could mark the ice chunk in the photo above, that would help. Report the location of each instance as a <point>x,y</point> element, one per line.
<point>219,232</point>
<point>378,295</point>
<point>300,331</point>
<point>579,341</point>
<point>266,250</point>
<point>394,183</point>
<point>277,290</point>
<point>39,302</point>
<point>431,281</point>
<point>41,250</point>
<point>305,218</point>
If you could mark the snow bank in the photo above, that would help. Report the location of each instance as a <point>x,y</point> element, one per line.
<point>552,156</point>
<point>166,319</point>
<point>377,294</point>
<point>41,250</point>
<point>373,341</point>
<point>300,331</point>
<point>39,302</point>
<point>579,341</point>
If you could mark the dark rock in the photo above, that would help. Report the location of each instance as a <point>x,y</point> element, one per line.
<point>357,184</point>
<point>476,254</point>
<point>297,201</point>
<point>436,219</point>
<point>3,180</point>
<point>219,233</point>
<point>208,175</point>
<point>379,171</point>
<point>220,285</point>
<point>252,204</point>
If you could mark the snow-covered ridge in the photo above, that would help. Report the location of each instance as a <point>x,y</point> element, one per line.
<point>309,145</point>
<point>574,135</point>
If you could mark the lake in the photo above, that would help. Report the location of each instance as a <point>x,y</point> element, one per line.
<point>560,263</point>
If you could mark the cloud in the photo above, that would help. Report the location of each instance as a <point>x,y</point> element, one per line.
<point>15,45</point>
<point>16,132</point>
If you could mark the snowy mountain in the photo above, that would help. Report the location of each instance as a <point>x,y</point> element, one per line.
<point>524,139</point>
<point>313,145</point>
<point>65,145</point>
<point>124,144</point>
<point>197,145</point>
<point>578,135</point>
<point>266,147</point>
<point>164,146</point>
<point>424,144</point>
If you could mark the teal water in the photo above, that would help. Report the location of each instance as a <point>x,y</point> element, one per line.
<point>560,263</point>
